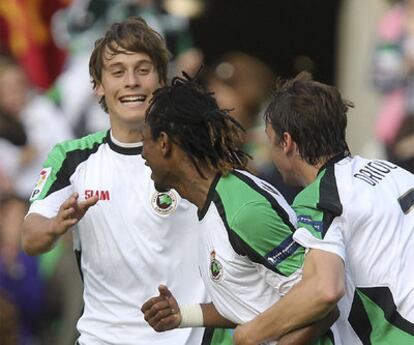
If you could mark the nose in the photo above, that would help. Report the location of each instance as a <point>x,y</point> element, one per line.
<point>132,79</point>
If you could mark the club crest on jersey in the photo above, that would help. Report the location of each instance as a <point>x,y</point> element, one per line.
<point>44,174</point>
<point>164,203</point>
<point>216,268</point>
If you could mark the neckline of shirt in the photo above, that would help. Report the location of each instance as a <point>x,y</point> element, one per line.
<point>210,197</point>
<point>123,148</point>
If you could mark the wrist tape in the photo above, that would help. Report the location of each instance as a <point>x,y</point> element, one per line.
<point>191,316</point>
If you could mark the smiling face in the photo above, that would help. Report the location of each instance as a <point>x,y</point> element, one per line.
<point>127,83</point>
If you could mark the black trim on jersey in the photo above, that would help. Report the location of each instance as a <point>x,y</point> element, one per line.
<point>78,255</point>
<point>273,202</point>
<point>330,336</point>
<point>329,200</point>
<point>382,297</point>
<point>69,165</point>
<point>333,160</point>
<point>238,244</point>
<point>202,212</point>
<point>406,201</point>
<point>123,150</point>
<point>207,336</point>
<point>359,321</point>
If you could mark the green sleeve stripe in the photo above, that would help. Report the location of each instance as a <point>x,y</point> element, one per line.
<point>237,189</point>
<point>239,245</point>
<point>318,204</point>
<point>266,195</point>
<point>257,225</point>
<point>65,157</point>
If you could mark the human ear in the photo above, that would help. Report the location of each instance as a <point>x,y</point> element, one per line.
<point>287,143</point>
<point>165,144</point>
<point>99,90</point>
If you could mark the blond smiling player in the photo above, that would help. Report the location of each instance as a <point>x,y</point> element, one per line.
<point>133,237</point>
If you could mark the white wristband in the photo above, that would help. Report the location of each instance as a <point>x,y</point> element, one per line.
<point>191,316</point>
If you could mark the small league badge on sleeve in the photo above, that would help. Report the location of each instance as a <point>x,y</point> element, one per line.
<point>44,174</point>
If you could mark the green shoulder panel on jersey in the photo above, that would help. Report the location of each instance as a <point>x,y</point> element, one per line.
<point>258,226</point>
<point>376,320</point>
<point>318,204</point>
<point>63,160</point>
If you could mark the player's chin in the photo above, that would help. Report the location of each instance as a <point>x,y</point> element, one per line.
<point>160,187</point>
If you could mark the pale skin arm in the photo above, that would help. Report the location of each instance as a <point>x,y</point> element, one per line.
<point>310,334</point>
<point>321,287</point>
<point>39,233</point>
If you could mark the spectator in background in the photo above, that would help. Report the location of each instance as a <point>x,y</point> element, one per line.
<point>21,285</point>
<point>12,135</point>
<point>42,122</point>
<point>9,334</point>
<point>393,76</point>
<point>244,84</point>
<point>29,126</point>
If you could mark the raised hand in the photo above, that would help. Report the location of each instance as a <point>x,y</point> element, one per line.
<point>70,212</point>
<point>162,312</point>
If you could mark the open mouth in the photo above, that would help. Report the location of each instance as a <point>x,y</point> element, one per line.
<point>132,99</point>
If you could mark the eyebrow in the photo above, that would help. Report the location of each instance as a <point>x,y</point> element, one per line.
<point>120,64</point>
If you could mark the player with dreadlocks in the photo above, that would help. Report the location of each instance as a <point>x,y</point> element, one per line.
<point>247,256</point>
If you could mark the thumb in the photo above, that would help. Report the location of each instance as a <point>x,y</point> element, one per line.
<point>164,291</point>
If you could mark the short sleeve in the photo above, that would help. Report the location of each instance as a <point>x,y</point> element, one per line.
<point>332,242</point>
<point>260,233</point>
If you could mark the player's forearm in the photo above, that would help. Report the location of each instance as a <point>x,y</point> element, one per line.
<point>38,234</point>
<point>296,310</point>
<point>310,300</point>
<point>310,334</point>
<point>212,318</point>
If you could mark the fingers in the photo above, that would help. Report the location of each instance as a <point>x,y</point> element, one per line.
<point>70,202</point>
<point>161,316</point>
<point>84,205</point>
<point>162,312</point>
<point>167,323</point>
<point>153,302</point>
<point>153,316</point>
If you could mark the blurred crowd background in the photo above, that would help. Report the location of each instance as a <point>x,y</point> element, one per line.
<point>366,48</point>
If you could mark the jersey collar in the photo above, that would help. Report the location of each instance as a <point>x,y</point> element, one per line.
<point>202,212</point>
<point>333,160</point>
<point>123,148</point>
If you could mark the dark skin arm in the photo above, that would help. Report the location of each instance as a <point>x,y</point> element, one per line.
<point>163,313</point>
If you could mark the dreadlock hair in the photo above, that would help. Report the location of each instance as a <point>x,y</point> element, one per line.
<point>192,119</point>
<point>314,114</point>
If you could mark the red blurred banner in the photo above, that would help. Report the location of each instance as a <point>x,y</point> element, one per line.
<point>25,33</point>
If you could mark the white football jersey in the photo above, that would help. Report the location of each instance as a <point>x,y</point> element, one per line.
<point>132,240</point>
<point>363,211</point>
